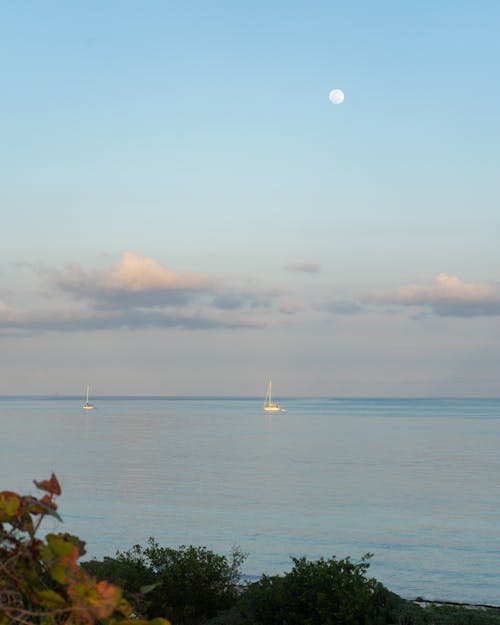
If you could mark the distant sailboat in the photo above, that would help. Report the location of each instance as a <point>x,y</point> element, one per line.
<point>269,405</point>
<point>87,405</point>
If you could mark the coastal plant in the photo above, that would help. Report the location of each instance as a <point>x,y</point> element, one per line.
<point>188,585</point>
<point>41,581</point>
<point>321,592</point>
<point>317,592</point>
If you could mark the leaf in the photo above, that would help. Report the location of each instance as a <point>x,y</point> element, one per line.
<point>149,588</point>
<point>97,598</point>
<point>40,506</point>
<point>124,607</point>
<point>109,598</point>
<point>47,499</point>
<point>50,599</point>
<point>10,505</point>
<point>52,486</point>
<point>60,555</point>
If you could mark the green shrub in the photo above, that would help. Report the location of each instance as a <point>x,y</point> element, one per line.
<point>187,585</point>
<point>322,592</point>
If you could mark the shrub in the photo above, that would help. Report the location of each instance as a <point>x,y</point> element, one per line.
<point>322,592</point>
<point>41,580</point>
<point>188,584</point>
<point>134,577</point>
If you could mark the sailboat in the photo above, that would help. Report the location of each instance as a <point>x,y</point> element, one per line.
<point>87,405</point>
<point>269,404</point>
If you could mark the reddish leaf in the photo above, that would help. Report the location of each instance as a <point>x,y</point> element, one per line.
<point>51,486</point>
<point>47,499</point>
<point>41,506</point>
<point>91,597</point>
<point>109,597</point>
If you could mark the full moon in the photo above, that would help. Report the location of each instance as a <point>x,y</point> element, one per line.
<point>336,96</point>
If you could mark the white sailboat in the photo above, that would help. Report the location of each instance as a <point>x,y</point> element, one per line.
<point>87,405</point>
<point>269,404</point>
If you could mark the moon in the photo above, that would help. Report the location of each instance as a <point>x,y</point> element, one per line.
<point>336,96</point>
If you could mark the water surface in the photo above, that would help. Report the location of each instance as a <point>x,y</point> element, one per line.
<point>415,482</point>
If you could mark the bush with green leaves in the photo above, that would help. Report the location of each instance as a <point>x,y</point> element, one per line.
<point>321,592</point>
<point>338,592</point>
<point>188,585</point>
<point>41,581</point>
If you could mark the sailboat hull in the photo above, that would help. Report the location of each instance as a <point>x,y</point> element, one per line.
<point>273,409</point>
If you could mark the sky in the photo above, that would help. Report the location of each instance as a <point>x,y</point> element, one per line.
<point>185,212</point>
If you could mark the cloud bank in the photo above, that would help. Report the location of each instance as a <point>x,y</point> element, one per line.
<point>138,292</point>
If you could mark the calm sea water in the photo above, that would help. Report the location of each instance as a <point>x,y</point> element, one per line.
<point>415,482</point>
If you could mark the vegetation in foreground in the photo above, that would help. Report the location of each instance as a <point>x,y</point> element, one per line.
<point>42,583</point>
<point>193,586</point>
<point>190,584</point>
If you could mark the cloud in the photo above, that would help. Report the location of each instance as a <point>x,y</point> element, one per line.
<point>446,296</point>
<point>134,280</point>
<point>304,268</point>
<point>228,302</point>
<point>131,319</point>
<point>291,308</point>
<point>137,292</point>
<point>7,313</point>
<point>343,307</point>
<point>138,273</point>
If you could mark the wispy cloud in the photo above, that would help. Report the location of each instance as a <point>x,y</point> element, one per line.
<point>446,296</point>
<point>304,268</point>
<point>291,307</point>
<point>342,307</point>
<point>131,319</point>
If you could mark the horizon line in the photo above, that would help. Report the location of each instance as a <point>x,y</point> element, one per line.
<point>58,396</point>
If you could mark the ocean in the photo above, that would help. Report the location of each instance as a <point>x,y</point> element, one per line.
<point>415,482</point>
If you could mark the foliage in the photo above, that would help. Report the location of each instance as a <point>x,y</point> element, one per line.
<point>41,580</point>
<point>338,592</point>
<point>453,615</point>
<point>188,584</point>
<point>42,583</point>
<point>134,577</point>
<point>318,593</point>
<point>322,592</point>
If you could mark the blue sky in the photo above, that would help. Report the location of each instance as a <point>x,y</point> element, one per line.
<point>185,212</point>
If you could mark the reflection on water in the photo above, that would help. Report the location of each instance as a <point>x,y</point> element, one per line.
<point>413,481</point>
